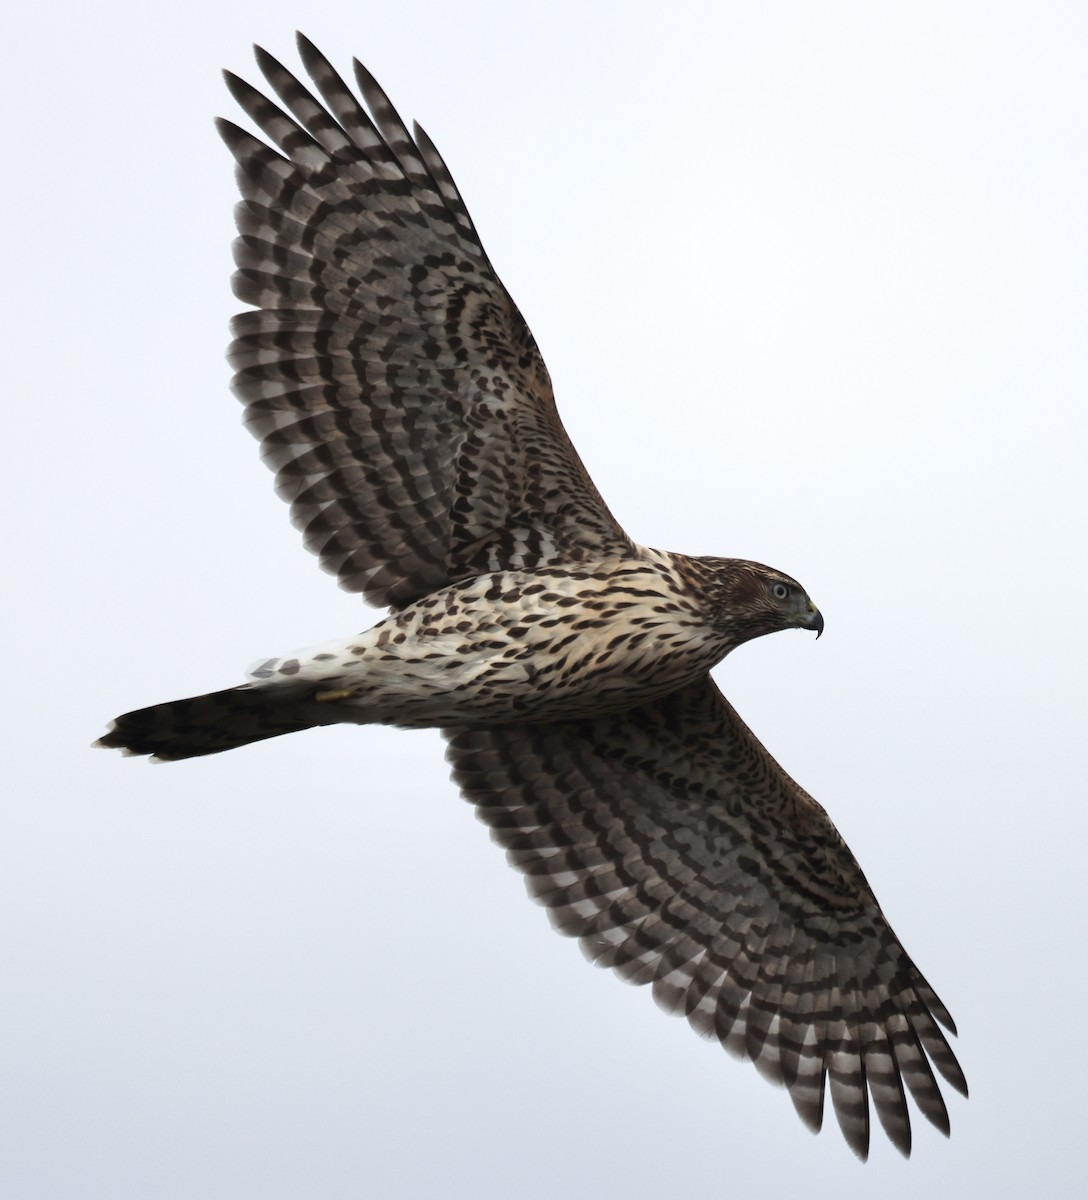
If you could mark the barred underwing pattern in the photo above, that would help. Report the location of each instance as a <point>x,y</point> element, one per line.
<point>402,403</point>
<point>681,855</point>
<point>394,386</point>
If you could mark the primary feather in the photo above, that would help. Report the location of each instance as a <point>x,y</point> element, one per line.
<point>401,401</point>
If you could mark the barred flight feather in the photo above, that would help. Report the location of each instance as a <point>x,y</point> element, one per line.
<point>401,401</point>
<point>752,919</point>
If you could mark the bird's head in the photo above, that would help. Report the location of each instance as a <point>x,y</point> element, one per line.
<point>752,600</point>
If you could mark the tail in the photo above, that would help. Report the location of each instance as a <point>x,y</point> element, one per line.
<point>213,723</point>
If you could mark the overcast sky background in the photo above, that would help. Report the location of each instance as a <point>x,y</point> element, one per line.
<point>811,283</point>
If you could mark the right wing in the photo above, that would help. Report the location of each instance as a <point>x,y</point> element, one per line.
<point>396,390</point>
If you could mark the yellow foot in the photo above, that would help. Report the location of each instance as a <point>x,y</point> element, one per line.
<point>333,697</point>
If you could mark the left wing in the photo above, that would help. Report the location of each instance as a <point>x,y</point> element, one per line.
<point>677,850</point>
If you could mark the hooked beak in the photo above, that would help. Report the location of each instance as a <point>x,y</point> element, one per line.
<point>813,619</point>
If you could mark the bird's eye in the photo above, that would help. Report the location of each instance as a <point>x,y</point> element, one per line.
<point>780,591</point>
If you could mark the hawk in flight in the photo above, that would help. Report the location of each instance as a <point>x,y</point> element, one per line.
<point>399,397</point>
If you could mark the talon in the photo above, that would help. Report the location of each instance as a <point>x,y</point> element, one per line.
<point>335,695</point>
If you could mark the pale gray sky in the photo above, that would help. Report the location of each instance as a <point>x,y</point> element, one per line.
<point>811,284</point>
